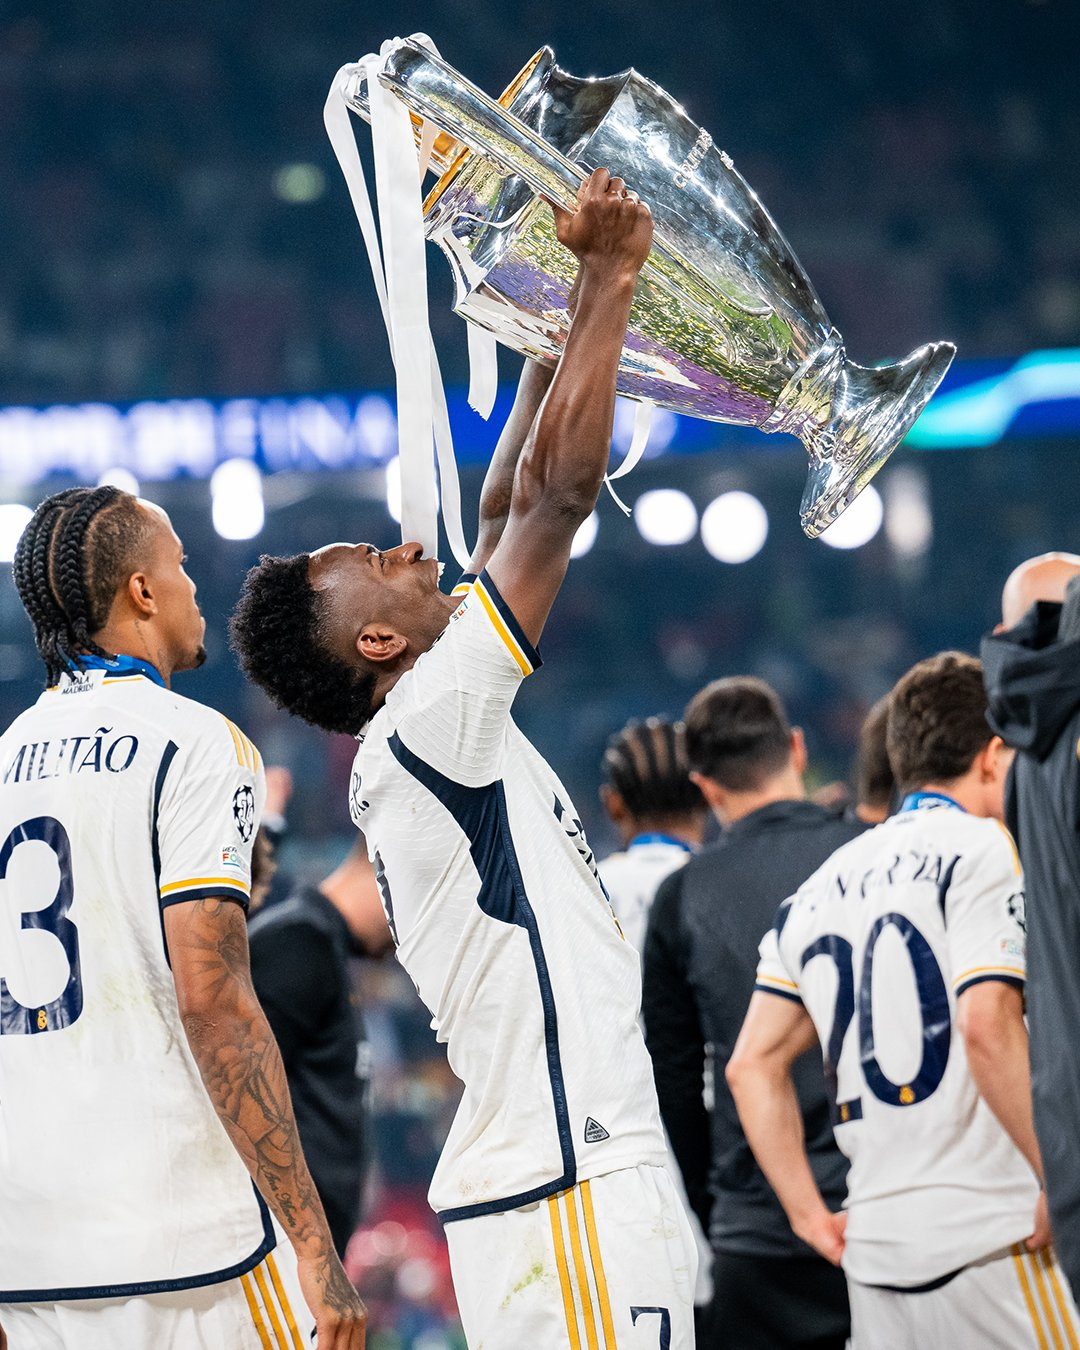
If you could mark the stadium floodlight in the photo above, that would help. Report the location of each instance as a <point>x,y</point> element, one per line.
<point>236,494</point>
<point>393,489</point>
<point>585,536</point>
<point>734,527</point>
<point>909,521</point>
<point>665,516</point>
<point>120,478</point>
<point>859,523</point>
<point>14,518</point>
<point>299,184</point>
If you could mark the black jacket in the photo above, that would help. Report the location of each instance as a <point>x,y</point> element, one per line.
<point>301,950</point>
<point>1033,685</point>
<point>700,962</point>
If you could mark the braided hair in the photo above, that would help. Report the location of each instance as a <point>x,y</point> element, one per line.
<point>77,550</point>
<point>646,764</point>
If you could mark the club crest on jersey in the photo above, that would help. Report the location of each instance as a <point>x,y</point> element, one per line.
<point>243,811</point>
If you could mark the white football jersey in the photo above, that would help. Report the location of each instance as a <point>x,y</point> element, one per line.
<point>500,919</point>
<point>632,878</point>
<point>878,944</point>
<point>117,798</point>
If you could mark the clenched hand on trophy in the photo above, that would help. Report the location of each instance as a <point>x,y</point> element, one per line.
<point>725,323</point>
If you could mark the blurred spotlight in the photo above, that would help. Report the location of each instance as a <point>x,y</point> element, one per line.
<point>585,537</point>
<point>665,516</point>
<point>236,494</point>
<point>123,479</point>
<point>909,522</point>
<point>734,527</point>
<point>14,518</point>
<point>859,523</point>
<point>299,184</point>
<point>393,489</point>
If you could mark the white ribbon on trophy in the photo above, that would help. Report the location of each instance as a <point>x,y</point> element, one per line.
<point>399,271</point>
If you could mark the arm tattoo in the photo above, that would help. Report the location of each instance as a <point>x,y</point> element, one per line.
<point>242,1071</point>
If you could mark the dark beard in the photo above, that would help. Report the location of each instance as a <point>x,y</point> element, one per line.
<point>200,658</point>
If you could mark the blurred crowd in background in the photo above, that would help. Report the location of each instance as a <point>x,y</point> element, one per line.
<point>168,167</point>
<point>173,225</point>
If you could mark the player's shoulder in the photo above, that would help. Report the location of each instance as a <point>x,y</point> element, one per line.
<point>197,728</point>
<point>965,831</point>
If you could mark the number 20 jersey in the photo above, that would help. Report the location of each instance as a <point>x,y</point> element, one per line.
<point>117,799</point>
<point>878,945</point>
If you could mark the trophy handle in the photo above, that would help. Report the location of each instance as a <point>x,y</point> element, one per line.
<point>430,88</point>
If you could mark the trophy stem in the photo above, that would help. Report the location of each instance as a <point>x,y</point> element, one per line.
<point>851,418</point>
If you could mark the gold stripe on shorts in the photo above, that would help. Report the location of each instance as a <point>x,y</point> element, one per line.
<point>290,1320</point>
<point>256,1315</point>
<point>564,1273</point>
<point>1044,1299</point>
<point>268,1304</point>
<point>598,1268</point>
<point>1029,1299</point>
<point>579,1267</point>
<point>1062,1303</point>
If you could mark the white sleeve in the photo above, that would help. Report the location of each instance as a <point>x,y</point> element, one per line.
<point>773,976</point>
<point>207,808</point>
<point>984,915</point>
<point>457,698</point>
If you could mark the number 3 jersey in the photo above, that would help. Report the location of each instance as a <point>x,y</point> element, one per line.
<point>501,921</point>
<point>878,945</point>
<point>117,798</point>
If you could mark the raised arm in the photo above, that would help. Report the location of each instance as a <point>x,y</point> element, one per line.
<point>561,468</point>
<point>242,1071</point>
<point>499,481</point>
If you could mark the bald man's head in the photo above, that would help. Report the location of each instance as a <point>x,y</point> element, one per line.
<point>1042,578</point>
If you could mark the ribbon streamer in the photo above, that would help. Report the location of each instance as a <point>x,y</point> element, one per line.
<point>643,420</point>
<point>399,269</point>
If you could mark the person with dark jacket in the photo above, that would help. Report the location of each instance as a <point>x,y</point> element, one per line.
<point>1032,674</point>
<point>302,953</point>
<point>700,959</point>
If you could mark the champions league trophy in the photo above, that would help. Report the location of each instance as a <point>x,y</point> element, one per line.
<point>725,324</point>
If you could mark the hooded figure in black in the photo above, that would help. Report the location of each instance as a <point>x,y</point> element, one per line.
<point>1032,674</point>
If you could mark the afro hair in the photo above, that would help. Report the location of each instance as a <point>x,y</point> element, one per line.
<point>275,634</point>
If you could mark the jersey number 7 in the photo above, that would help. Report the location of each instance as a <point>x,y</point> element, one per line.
<point>850,1004</point>
<point>64,1008</point>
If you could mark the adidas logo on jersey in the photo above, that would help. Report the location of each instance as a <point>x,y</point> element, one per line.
<point>594,1131</point>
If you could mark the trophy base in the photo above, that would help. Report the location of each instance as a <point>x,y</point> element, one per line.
<point>870,413</point>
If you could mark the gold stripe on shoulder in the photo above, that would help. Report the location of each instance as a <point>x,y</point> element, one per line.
<point>500,627</point>
<point>1012,845</point>
<point>237,745</point>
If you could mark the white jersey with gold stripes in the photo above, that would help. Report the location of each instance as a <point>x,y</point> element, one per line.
<point>117,798</point>
<point>878,944</point>
<point>502,923</point>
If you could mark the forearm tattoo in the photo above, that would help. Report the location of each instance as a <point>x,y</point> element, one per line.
<point>242,1070</point>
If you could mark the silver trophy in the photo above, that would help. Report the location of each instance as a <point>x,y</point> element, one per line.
<point>725,324</point>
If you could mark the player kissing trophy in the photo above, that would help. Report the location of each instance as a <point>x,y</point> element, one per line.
<point>725,324</point>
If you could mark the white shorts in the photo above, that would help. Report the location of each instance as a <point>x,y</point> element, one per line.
<point>609,1263</point>
<point>263,1310</point>
<point>1015,1300</point>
